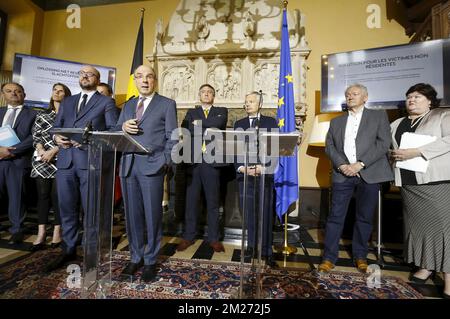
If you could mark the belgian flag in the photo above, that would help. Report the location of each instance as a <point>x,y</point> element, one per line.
<point>138,59</point>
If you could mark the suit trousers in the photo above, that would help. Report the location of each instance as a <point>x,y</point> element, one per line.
<point>12,178</point>
<point>252,212</point>
<point>366,196</point>
<point>143,195</point>
<point>71,184</point>
<point>207,177</point>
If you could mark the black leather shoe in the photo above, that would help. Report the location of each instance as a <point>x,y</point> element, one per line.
<point>270,262</point>
<point>60,261</point>
<point>131,268</point>
<point>37,247</point>
<point>249,253</point>
<point>417,280</point>
<point>149,273</point>
<point>16,238</point>
<point>55,245</point>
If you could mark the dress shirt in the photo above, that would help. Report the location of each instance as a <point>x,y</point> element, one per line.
<point>351,131</point>
<point>10,109</point>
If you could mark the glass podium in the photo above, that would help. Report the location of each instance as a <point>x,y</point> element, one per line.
<point>97,237</point>
<point>251,148</point>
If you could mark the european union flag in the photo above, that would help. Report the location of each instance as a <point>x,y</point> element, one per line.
<point>286,176</point>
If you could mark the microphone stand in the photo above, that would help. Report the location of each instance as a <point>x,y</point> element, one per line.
<point>256,208</point>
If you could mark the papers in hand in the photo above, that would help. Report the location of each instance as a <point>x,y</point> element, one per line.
<point>413,140</point>
<point>8,137</point>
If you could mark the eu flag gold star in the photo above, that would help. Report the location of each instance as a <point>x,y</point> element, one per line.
<point>281,101</point>
<point>289,78</point>
<point>281,123</point>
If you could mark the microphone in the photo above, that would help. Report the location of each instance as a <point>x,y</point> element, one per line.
<point>86,132</point>
<point>260,99</point>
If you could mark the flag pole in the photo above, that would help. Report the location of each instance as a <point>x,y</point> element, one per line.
<point>285,249</point>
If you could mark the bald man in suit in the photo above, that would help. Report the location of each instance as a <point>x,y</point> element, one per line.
<point>150,119</point>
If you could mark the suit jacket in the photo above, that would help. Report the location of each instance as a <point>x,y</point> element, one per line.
<point>435,123</point>
<point>265,122</point>
<point>372,145</point>
<point>100,111</point>
<point>22,126</point>
<point>157,124</point>
<point>217,118</point>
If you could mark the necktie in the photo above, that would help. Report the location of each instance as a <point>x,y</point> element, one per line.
<point>11,117</point>
<point>253,122</point>
<point>83,103</point>
<point>206,111</point>
<point>140,109</point>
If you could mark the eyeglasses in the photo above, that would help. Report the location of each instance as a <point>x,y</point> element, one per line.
<point>88,74</point>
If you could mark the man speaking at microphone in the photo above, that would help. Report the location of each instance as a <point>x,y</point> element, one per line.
<point>256,121</point>
<point>88,108</point>
<point>150,119</point>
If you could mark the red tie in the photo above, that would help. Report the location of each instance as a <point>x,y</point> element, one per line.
<point>140,109</point>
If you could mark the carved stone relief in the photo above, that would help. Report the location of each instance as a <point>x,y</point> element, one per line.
<point>226,79</point>
<point>267,76</point>
<point>178,83</point>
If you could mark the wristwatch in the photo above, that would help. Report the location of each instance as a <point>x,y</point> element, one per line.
<point>362,164</point>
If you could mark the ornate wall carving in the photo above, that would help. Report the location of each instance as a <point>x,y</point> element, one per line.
<point>233,45</point>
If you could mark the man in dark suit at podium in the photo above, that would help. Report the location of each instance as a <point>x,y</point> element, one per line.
<point>200,173</point>
<point>15,161</point>
<point>255,120</point>
<point>78,111</point>
<point>150,119</point>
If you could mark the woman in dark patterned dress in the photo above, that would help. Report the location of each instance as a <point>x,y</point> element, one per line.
<point>425,196</point>
<point>44,167</point>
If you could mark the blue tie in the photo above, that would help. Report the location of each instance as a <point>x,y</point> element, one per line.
<point>11,117</point>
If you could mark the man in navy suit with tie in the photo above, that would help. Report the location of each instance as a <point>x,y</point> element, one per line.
<point>15,161</point>
<point>200,173</point>
<point>150,119</point>
<point>255,120</point>
<point>78,111</point>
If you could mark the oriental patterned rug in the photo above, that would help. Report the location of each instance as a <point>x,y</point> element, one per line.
<point>196,279</point>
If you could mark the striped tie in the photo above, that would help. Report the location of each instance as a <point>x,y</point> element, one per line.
<point>140,109</point>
